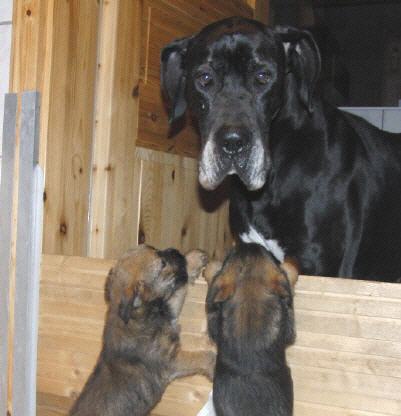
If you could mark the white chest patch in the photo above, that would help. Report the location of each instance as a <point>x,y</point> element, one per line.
<point>254,236</point>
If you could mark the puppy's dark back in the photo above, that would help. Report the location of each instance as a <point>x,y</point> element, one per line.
<point>250,317</point>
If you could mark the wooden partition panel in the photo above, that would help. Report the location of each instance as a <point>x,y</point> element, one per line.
<point>113,201</point>
<point>346,359</point>
<point>173,209</point>
<point>70,126</point>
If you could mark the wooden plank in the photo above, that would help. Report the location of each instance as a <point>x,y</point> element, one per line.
<point>31,55</point>
<point>6,218</point>
<point>28,249</point>
<point>113,210</point>
<point>70,126</point>
<point>175,211</point>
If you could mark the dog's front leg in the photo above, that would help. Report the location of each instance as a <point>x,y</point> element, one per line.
<point>189,363</point>
<point>177,300</point>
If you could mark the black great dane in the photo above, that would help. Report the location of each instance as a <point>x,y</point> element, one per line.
<point>310,181</point>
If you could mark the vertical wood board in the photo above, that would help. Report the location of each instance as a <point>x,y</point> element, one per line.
<point>28,249</point>
<point>6,216</point>
<point>113,201</point>
<point>175,211</point>
<point>70,126</point>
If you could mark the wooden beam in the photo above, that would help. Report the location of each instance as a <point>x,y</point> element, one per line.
<point>70,126</point>
<point>28,254</point>
<point>112,212</point>
<point>6,232</point>
<point>31,56</point>
<point>21,211</point>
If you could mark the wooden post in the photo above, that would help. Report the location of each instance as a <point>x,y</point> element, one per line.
<point>19,291</point>
<point>6,214</point>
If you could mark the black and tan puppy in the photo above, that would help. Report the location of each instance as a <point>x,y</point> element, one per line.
<point>141,351</point>
<point>251,320</point>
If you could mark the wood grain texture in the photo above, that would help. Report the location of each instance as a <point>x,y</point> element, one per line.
<point>113,198</point>
<point>31,56</point>
<point>69,149</point>
<point>175,211</point>
<point>344,361</point>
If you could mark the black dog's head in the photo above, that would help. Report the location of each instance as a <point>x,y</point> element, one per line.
<point>236,75</point>
<point>250,300</point>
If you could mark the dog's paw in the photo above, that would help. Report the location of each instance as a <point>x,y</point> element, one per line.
<point>196,261</point>
<point>211,270</point>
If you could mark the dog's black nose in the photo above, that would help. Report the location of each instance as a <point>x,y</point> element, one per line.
<point>233,140</point>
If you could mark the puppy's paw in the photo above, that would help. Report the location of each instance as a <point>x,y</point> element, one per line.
<point>196,261</point>
<point>211,270</point>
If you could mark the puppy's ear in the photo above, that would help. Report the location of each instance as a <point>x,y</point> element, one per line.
<point>303,60</point>
<point>131,299</point>
<point>196,261</point>
<point>173,78</point>
<point>290,267</point>
<point>222,289</point>
<point>211,270</point>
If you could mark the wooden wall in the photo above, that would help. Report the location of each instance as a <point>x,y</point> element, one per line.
<point>96,64</point>
<point>346,360</point>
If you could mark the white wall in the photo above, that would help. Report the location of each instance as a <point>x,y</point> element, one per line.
<point>5,48</point>
<point>385,118</point>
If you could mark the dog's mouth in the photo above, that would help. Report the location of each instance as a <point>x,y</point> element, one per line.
<point>251,166</point>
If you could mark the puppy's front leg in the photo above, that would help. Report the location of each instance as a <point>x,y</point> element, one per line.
<point>189,363</point>
<point>177,300</point>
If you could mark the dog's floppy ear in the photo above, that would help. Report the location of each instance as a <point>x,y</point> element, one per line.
<point>303,60</point>
<point>131,299</point>
<point>222,289</point>
<point>173,78</point>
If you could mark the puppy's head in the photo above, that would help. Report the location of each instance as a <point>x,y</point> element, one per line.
<point>144,274</point>
<point>235,76</point>
<point>250,299</point>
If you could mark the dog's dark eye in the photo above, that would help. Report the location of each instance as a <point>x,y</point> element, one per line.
<point>164,263</point>
<point>205,79</point>
<point>262,77</point>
